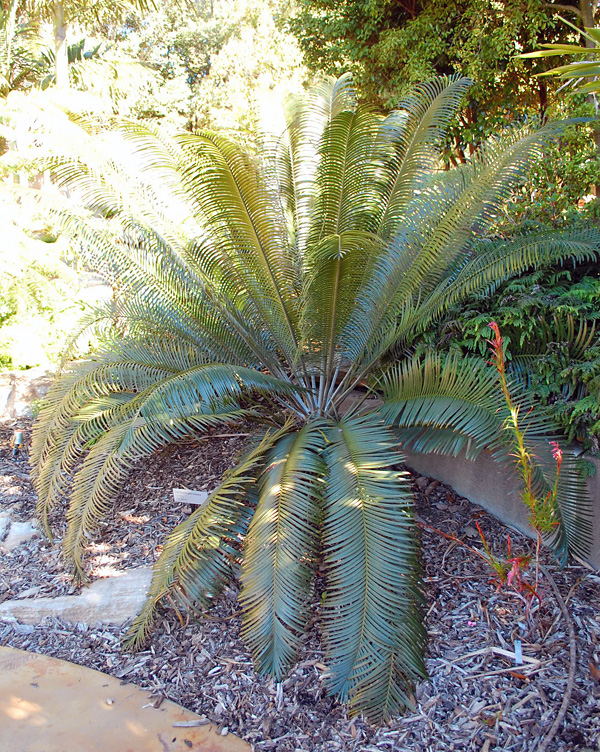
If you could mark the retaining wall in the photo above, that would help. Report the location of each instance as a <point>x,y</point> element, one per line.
<point>490,485</point>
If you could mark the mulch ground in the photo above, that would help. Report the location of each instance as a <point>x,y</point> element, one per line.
<point>477,698</point>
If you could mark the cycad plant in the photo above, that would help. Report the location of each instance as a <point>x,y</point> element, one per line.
<point>279,286</point>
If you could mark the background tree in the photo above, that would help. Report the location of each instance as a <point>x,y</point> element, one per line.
<point>214,60</point>
<point>389,46</point>
<point>19,48</point>
<point>63,13</point>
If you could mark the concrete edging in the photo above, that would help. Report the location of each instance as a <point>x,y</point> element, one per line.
<point>488,484</point>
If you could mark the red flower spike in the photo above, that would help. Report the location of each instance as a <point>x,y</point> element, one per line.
<point>557,454</point>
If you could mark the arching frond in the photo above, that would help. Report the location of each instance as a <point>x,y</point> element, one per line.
<point>201,553</point>
<point>448,404</point>
<point>436,238</point>
<point>492,262</point>
<point>415,132</point>
<point>169,393</point>
<point>372,620</point>
<point>280,550</point>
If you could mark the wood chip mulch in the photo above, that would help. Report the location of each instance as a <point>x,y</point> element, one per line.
<point>479,695</point>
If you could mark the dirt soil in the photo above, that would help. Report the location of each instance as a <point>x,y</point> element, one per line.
<point>478,697</point>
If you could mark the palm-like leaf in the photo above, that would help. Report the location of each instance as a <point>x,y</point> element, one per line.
<point>372,622</point>
<point>280,550</point>
<point>448,404</point>
<point>199,555</point>
<point>269,285</point>
<point>584,74</point>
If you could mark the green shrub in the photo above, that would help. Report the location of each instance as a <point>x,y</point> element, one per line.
<point>549,320</point>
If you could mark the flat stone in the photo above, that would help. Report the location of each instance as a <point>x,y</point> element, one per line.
<point>19,532</point>
<point>4,524</point>
<point>110,600</point>
<point>20,389</point>
<point>48,705</point>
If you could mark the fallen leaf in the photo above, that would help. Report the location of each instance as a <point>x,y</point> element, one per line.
<point>594,671</point>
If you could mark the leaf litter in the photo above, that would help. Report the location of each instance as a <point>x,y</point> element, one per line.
<point>498,669</point>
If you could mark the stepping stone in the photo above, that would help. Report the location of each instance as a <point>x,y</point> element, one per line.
<point>48,705</point>
<point>19,532</point>
<point>111,600</point>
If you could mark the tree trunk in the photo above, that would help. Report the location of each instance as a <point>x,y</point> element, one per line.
<point>543,100</point>
<point>588,10</point>
<point>60,46</point>
<point>10,37</point>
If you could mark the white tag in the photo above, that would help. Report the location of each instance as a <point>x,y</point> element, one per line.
<point>185,496</point>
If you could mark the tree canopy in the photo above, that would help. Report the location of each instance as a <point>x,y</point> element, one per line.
<point>389,46</point>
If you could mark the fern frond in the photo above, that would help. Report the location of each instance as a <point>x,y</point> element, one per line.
<point>415,132</point>
<point>201,553</point>
<point>448,404</point>
<point>372,621</point>
<point>280,550</point>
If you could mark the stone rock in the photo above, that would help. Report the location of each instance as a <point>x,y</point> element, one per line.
<point>19,532</point>
<point>110,600</point>
<point>4,524</point>
<point>20,389</point>
<point>23,629</point>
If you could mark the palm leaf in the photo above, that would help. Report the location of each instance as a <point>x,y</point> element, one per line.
<point>200,554</point>
<point>177,398</point>
<point>372,621</point>
<point>448,404</point>
<point>492,262</point>
<point>279,554</point>
<point>416,132</point>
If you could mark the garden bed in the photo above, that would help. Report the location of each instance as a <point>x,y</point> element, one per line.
<point>478,698</point>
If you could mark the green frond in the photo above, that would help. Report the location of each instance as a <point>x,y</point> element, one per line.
<point>109,462</point>
<point>348,190</point>
<point>202,552</point>
<point>297,152</point>
<point>169,394</point>
<point>415,132</point>
<point>447,404</point>
<point>372,621</point>
<point>490,263</point>
<point>247,229</point>
<point>280,549</point>
<point>333,277</point>
<point>436,238</point>
<point>457,395</point>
